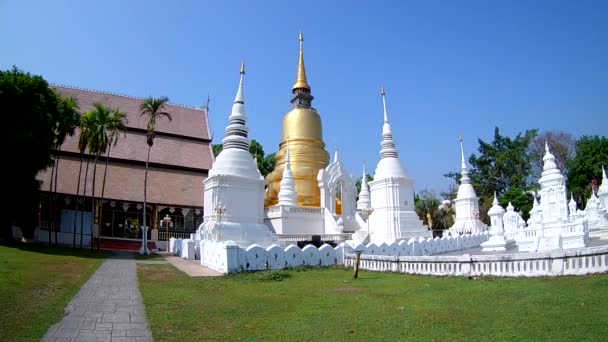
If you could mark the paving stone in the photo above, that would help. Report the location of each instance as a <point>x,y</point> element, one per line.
<point>108,307</point>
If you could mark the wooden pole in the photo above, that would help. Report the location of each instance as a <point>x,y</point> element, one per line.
<point>357,265</point>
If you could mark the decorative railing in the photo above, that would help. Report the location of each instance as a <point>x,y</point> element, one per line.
<point>573,262</point>
<point>178,234</point>
<point>308,237</point>
<point>49,225</point>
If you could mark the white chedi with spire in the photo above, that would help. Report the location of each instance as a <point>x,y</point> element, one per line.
<point>392,194</point>
<point>287,192</point>
<point>553,195</point>
<point>554,223</point>
<point>466,204</point>
<point>234,189</point>
<point>364,202</point>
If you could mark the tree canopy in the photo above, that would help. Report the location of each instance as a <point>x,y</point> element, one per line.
<point>585,170</point>
<point>32,112</point>
<point>266,162</point>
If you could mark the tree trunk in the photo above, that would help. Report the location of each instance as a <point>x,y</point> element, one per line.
<point>103,188</point>
<point>84,197</point>
<point>57,159</point>
<point>50,219</point>
<point>93,199</point>
<point>145,231</point>
<point>77,199</point>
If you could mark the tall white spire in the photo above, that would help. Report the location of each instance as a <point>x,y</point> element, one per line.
<point>388,150</point>
<point>463,165</point>
<point>603,189</point>
<point>465,190</point>
<point>237,131</point>
<point>336,155</point>
<point>364,201</point>
<point>548,159</point>
<point>287,192</point>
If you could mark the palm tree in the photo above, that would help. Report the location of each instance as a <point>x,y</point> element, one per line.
<point>101,117</point>
<point>69,119</point>
<point>154,109</point>
<point>115,125</point>
<point>83,143</point>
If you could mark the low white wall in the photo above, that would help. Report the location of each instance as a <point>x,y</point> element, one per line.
<point>422,246</point>
<point>569,262</point>
<point>228,257</point>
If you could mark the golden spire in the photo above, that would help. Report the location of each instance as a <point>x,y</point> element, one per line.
<point>242,67</point>
<point>301,82</point>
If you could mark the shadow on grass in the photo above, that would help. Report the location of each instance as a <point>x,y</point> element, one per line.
<point>56,250</point>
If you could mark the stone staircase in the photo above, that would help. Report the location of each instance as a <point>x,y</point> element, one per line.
<point>122,245</point>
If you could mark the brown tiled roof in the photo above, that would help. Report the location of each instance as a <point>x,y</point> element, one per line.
<point>126,182</point>
<point>180,158</point>
<point>188,121</point>
<point>170,150</point>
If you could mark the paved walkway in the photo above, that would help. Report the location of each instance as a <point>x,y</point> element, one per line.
<point>108,307</point>
<point>193,268</point>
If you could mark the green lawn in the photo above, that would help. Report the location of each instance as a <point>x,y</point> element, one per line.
<point>36,283</point>
<point>327,304</point>
<point>149,257</point>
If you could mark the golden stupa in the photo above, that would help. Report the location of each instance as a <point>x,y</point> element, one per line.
<point>303,133</point>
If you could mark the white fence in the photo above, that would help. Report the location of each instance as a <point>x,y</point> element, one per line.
<point>569,262</point>
<point>412,257</point>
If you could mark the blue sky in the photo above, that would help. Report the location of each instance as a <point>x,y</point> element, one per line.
<point>449,67</point>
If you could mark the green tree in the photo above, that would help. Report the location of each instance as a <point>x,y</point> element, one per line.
<point>501,165</point>
<point>428,209</point>
<point>69,119</point>
<point>113,125</point>
<point>101,118</point>
<point>217,148</point>
<point>585,170</point>
<point>31,112</point>
<point>83,144</point>
<point>266,162</point>
<point>153,109</point>
<point>521,201</point>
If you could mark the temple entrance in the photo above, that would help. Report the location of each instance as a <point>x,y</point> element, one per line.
<point>124,220</point>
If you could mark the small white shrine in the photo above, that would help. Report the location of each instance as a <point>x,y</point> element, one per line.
<point>466,204</point>
<point>596,210</point>
<point>287,219</point>
<point>394,215</point>
<point>497,241</point>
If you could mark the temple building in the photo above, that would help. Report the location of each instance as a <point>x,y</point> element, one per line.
<point>466,204</point>
<point>179,160</point>
<point>392,194</point>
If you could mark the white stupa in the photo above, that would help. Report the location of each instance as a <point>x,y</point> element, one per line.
<point>392,195</point>
<point>596,210</point>
<point>234,189</point>
<point>466,204</point>
<point>287,193</point>
<point>364,202</point>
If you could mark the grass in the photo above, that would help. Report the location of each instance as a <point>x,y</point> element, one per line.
<point>149,257</point>
<point>36,283</point>
<point>327,304</point>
